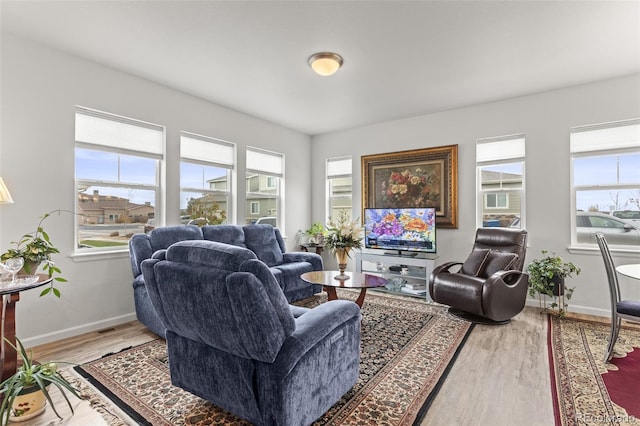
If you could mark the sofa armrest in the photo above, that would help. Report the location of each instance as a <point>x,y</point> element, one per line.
<point>314,326</point>
<point>298,256</point>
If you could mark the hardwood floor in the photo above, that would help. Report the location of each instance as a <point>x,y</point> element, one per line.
<point>501,375</point>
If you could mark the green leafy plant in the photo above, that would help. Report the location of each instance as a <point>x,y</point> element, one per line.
<point>32,376</point>
<point>36,248</point>
<point>546,273</point>
<point>316,233</point>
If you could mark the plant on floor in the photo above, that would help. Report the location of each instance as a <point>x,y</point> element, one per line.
<point>547,278</point>
<point>31,377</point>
<point>35,249</point>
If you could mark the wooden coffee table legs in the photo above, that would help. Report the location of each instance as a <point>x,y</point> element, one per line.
<point>333,295</point>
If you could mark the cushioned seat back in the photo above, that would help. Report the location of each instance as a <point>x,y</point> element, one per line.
<point>503,240</point>
<point>143,246</point>
<point>229,234</point>
<point>162,238</point>
<point>262,240</point>
<point>198,295</point>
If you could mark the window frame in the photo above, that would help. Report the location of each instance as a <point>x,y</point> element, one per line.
<point>576,152</point>
<point>331,177</point>
<point>514,156</point>
<point>275,169</point>
<point>229,165</point>
<point>155,153</point>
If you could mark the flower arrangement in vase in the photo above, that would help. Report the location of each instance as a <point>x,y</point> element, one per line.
<point>343,235</point>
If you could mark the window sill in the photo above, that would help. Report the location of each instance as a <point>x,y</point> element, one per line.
<point>621,252</point>
<point>99,255</point>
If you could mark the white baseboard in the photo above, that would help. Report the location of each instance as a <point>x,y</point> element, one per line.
<point>587,310</point>
<point>75,331</point>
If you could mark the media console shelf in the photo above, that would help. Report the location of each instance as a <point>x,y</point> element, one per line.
<point>387,265</point>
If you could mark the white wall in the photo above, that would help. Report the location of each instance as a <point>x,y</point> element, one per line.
<point>40,90</point>
<point>545,120</point>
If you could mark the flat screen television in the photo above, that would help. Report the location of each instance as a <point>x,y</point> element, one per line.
<point>409,230</point>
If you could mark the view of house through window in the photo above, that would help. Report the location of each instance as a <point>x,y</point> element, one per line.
<point>117,164</point>
<point>605,169</point>
<point>206,166</point>
<point>264,183</point>
<point>500,177</point>
<point>339,186</point>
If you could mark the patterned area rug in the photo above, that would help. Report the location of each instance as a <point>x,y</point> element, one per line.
<point>407,349</point>
<point>587,390</point>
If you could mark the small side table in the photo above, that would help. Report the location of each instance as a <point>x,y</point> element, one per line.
<point>306,247</point>
<point>11,295</point>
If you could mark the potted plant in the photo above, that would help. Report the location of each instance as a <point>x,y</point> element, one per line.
<point>547,278</point>
<point>35,249</point>
<point>315,234</point>
<point>26,392</point>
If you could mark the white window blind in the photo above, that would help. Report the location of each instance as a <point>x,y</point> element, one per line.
<point>499,149</point>
<point>265,162</point>
<point>339,167</point>
<point>113,132</point>
<point>606,137</point>
<point>208,150</point>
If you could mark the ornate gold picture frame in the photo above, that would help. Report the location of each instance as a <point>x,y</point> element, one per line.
<point>425,177</point>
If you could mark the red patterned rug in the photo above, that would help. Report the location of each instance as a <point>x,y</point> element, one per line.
<point>585,389</point>
<point>407,349</point>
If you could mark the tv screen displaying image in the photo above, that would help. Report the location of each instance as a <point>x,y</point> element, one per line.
<point>408,229</point>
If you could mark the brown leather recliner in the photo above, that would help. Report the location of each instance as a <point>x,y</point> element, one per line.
<point>489,286</point>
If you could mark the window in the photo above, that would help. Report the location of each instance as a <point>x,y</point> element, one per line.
<point>117,169</point>
<point>605,179</point>
<point>500,181</point>
<point>265,186</point>
<point>255,207</point>
<point>339,186</point>
<point>206,166</point>
<point>498,200</point>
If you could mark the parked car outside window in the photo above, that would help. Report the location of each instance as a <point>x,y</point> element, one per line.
<point>615,230</point>
<point>629,216</point>
<point>149,226</point>
<point>201,221</point>
<point>269,220</point>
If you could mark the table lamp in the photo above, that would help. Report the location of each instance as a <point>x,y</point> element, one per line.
<point>5,195</point>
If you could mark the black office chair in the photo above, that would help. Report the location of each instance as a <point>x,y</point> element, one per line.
<point>620,309</point>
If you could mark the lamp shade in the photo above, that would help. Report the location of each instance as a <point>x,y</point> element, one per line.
<point>5,195</point>
<point>325,63</point>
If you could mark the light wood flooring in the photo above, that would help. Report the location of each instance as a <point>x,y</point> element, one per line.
<point>501,376</point>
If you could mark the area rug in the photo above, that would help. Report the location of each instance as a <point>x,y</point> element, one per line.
<point>407,349</point>
<point>585,389</point>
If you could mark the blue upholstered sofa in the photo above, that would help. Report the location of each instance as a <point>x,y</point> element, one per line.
<point>264,241</point>
<point>234,340</point>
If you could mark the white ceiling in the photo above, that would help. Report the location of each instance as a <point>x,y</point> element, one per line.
<point>401,58</point>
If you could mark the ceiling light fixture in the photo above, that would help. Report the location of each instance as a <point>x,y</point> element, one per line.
<point>325,63</point>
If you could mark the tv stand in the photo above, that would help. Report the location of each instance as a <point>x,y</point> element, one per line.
<point>418,270</point>
<point>400,253</point>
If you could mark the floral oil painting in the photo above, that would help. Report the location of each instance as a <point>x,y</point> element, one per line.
<point>411,185</point>
<point>422,178</point>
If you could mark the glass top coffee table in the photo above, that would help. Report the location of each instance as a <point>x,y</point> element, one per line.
<point>356,280</point>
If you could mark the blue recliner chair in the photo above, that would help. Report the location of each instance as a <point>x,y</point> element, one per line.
<point>235,341</point>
